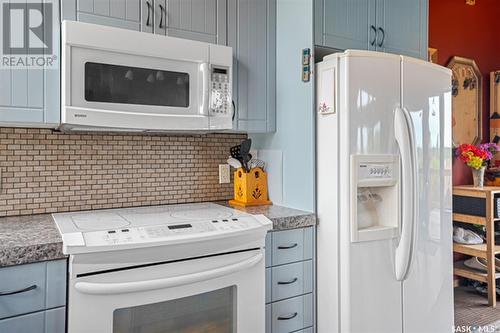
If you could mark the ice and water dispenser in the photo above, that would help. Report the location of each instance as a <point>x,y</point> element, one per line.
<point>375,202</point>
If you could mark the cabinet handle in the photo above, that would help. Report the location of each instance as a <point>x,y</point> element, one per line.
<point>162,9</point>
<point>374,35</point>
<point>7,293</point>
<point>148,20</point>
<point>290,316</point>
<point>383,36</point>
<point>286,247</point>
<point>234,110</point>
<point>288,282</point>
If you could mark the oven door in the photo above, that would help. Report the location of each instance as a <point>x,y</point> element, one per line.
<point>122,90</point>
<point>223,294</point>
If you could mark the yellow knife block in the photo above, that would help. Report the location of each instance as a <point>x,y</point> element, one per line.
<point>250,188</point>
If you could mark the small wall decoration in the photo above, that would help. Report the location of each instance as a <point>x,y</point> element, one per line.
<point>495,113</point>
<point>467,97</point>
<point>470,2</point>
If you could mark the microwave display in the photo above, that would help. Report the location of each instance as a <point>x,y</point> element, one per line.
<point>108,83</point>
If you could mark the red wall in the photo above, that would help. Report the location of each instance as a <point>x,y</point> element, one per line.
<point>457,29</point>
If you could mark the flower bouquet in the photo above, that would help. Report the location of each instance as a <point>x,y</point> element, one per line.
<point>477,157</point>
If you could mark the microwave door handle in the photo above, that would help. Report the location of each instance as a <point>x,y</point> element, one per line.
<point>204,91</point>
<point>94,288</point>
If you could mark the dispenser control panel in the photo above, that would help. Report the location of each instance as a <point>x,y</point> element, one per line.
<point>370,171</point>
<point>375,170</point>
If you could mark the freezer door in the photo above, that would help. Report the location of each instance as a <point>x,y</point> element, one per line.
<point>369,95</point>
<point>427,289</point>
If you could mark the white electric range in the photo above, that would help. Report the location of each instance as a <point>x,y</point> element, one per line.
<point>175,268</point>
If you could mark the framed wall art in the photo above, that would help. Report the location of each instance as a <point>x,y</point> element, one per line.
<point>495,113</point>
<point>467,97</point>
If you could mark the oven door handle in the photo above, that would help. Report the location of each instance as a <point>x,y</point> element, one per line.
<point>147,285</point>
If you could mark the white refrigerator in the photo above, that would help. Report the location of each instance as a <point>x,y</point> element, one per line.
<point>384,239</point>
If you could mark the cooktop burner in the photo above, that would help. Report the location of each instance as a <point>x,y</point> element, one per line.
<point>142,216</point>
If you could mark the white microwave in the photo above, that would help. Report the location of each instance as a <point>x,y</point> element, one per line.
<point>117,79</point>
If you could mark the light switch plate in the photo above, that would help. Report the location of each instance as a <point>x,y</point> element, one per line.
<point>224,176</point>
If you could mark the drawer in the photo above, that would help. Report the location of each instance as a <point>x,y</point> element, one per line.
<point>269,284</point>
<point>32,287</point>
<point>291,280</point>
<point>292,245</point>
<point>50,321</point>
<point>292,314</point>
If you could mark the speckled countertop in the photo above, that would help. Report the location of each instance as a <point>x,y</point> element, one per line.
<point>27,239</point>
<point>283,217</point>
<point>32,238</point>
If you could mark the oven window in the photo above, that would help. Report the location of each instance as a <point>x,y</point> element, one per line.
<point>211,312</point>
<point>133,85</point>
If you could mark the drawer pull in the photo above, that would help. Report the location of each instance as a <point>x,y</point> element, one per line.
<point>286,247</point>
<point>7,293</point>
<point>288,282</point>
<point>290,316</point>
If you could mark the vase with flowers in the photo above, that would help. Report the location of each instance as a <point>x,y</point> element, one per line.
<point>477,157</point>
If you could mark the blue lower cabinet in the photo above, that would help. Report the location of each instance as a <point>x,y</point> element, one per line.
<point>23,289</point>
<point>33,297</point>
<point>290,281</point>
<point>269,322</point>
<point>292,314</point>
<point>49,321</point>
<point>55,320</point>
<point>292,245</point>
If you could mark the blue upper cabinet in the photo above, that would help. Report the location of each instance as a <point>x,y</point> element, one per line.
<point>344,24</point>
<point>404,24</point>
<point>394,26</point>
<point>29,93</point>
<point>252,34</point>
<point>124,14</point>
<point>201,20</point>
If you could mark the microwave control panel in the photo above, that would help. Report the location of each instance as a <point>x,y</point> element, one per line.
<point>220,92</point>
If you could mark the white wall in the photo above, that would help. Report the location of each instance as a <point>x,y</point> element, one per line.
<point>294,137</point>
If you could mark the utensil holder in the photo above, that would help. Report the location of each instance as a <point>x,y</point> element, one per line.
<point>250,188</point>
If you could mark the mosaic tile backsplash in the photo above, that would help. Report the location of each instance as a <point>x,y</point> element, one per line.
<point>45,171</point>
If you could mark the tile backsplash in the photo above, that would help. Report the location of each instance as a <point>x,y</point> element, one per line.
<point>45,171</point>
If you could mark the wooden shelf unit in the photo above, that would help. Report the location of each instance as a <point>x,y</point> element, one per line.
<point>486,250</point>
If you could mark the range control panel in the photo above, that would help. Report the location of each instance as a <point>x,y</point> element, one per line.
<point>220,92</point>
<point>163,232</point>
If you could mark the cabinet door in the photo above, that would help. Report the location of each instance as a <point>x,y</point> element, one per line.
<point>345,24</point>
<point>125,14</point>
<point>202,20</point>
<point>404,23</point>
<point>29,95</point>
<point>252,34</point>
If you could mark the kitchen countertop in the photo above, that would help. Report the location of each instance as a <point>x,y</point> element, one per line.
<point>283,218</point>
<point>27,239</point>
<point>33,238</point>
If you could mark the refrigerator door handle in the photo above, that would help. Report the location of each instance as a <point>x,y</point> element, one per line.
<point>405,138</point>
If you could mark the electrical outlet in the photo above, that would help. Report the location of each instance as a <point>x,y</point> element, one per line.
<point>224,176</point>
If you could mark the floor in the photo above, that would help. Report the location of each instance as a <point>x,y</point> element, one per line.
<point>472,310</point>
